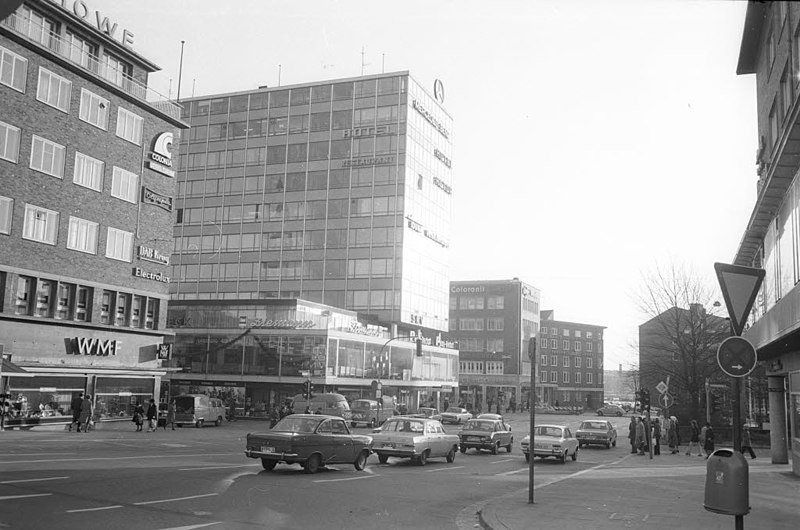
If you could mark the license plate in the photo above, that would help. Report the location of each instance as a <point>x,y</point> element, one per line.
<point>541,446</point>
<point>474,438</point>
<point>388,444</point>
<point>267,449</point>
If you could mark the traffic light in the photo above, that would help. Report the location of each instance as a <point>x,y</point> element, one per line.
<point>308,392</point>
<point>419,347</point>
<point>645,399</point>
<point>532,348</point>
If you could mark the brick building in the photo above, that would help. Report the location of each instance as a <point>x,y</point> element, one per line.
<point>86,191</point>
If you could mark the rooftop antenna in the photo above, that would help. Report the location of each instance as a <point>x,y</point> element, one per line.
<point>170,88</point>
<point>363,64</point>
<point>279,75</point>
<point>180,73</point>
<point>383,63</point>
<point>194,81</point>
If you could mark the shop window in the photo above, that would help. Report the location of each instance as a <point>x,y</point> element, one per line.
<point>105,307</point>
<point>44,298</point>
<point>121,309</point>
<point>24,295</point>
<point>83,303</point>
<point>64,301</point>
<point>151,316</point>
<point>137,311</point>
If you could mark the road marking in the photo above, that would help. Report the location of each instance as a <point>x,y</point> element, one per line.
<point>63,460</point>
<point>175,445</point>
<point>175,499</point>
<point>345,479</point>
<point>524,469</point>
<point>32,480</point>
<point>193,526</point>
<point>504,460</point>
<point>95,509</point>
<point>199,468</point>
<point>10,497</point>
<point>449,468</point>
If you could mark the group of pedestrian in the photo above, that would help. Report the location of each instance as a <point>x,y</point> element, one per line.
<point>151,416</point>
<point>82,410</point>
<point>701,438</point>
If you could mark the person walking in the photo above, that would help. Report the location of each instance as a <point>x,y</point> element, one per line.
<point>138,416</point>
<point>632,434</point>
<point>86,413</point>
<point>152,414</point>
<point>274,416</point>
<point>656,436</point>
<point>747,444</point>
<point>708,439</point>
<point>170,415</point>
<point>77,401</point>
<point>694,438</point>
<point>673,439</point>
<point>640,441</point>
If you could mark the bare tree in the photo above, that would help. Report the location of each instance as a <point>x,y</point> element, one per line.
<point>681,336</point>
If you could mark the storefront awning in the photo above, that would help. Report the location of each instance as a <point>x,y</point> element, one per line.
<point>8,368</point>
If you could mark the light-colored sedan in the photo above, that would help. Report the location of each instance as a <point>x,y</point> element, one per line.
<point>414,438</point>
<point>487,434</point>
<point>611,410</point>
<point>551,440</point>
<point>596,432</point>
<point>456,415</point>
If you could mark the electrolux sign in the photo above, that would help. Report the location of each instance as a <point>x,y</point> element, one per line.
<point>161,157</point>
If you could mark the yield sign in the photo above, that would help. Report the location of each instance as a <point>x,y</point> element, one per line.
<point>740,287</point>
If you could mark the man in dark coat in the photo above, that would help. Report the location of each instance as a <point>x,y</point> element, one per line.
<point>632,434</point>
<point>77,401</point>
<point>152,414</point>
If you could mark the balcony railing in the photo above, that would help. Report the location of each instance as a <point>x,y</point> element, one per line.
<point>52,41</point>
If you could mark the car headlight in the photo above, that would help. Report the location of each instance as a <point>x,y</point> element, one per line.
<point>556,447</point>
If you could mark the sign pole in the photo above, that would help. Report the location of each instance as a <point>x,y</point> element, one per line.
<point>532,410</point>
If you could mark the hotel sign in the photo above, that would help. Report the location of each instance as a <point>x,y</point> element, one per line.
<point>430,118</point>
<point>97,347</point>
<point>366,131</point>
<point>161,157</point>
<point>369,161</point>
<point>151,197</point>
<point>441,185</point>
<point>147,275</point>
<point>81,10</point>
<point>151,254</point>
<point>442,158</point>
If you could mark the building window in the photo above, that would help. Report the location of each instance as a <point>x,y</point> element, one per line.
<point>151,316</point>
<point>119,244</point>
<point>82,235</point>
<point>577,333</point>
<point>64,300</point>
<point>773,125</point>
<point>494,345</point>
<point>565,377</point>
<point>577,377</point>
<point>565,345</point>
<point>554,377</point>
<point>47,157</point>
<point>129,126</point>
<point>9,142</point>
<point>94,109</point>
<point>88,172</point>
<point>786,93</point>
<point>40,224</point>
<point>577,362</point>
<point>588,362</point>
<point>121,309</point>
<point>495,324</point>
<point>105,307</point>
<point>83,303</point>
<point>13,69</point>
<point>589,335</point>
<point>554,331</point>
<point>470,324</point>
<point>124,184</point>
<point>82,52</point>
<point>588,346</point>
<point>565,361</point>
<point>543,343</point>
<point>37,27</point>
<point>6,214</point>
<point>553,360</point>
<point>496,302</point>
<point>469,344</point>
<point>470,302</point>
<point>553,344</point>
<point>577,346</point>
<point>543,376</point>
<point>543,331</point>
<point>565,332</point>
<point>45,289</point>
<point>24,295</point>
<point>543,360</point>
<point>54,90</point>
<point>115,70</point>
<point>589,378</point>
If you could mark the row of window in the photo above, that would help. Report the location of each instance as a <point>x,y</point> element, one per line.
<point>479,324</point>
<point>544,374</point>
<point>565,361</point>
<point>48,298</point>
<point>41,225</point>
<point>565,332</point>
<point>481,367</point>
<point>477,303</point>
<point>565,344</point>
<point>286,270</point>
<point>480,345</point>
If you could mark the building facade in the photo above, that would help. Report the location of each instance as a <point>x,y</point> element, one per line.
<point>492,321</point>
<point>259,353</point>
<point>570,363</point>
<point>770,49</point>
<point>86,191</point>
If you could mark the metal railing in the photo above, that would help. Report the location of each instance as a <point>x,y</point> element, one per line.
<point>52,41</point>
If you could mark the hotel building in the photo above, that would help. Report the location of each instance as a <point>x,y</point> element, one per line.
<point>86,191</point>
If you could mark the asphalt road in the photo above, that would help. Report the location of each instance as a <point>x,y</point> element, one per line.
<point>199,478</point>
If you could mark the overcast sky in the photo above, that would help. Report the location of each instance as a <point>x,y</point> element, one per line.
<point>592,139</point>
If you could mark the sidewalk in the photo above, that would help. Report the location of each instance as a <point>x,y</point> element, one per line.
<point>666,492</point>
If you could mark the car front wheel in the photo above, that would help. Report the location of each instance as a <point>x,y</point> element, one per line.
<point>619,414</point>
<point>599,412</point>
<point>495,447</point>
<point>422,459</point>
<point>575,455</point>
<point>451,455</point>
<point>312,464</point>
<point>563,457</point>
<point>361,460</point>
<point>509,446</point>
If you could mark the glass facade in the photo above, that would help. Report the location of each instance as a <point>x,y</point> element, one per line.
<point>335,192</point>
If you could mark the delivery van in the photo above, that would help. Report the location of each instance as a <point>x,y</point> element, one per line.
<point>332,404</point>
<point>198,409</point>
<point>372,413</point>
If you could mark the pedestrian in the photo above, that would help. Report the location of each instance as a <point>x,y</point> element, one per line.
<point>318,411</point>
<point>708,439</point>
<point>674,435</point>
<point>171,410</point>
<point>747,444</point>
<point>632,434</point>
<point>656,437</point>
<point>694,438</point>
<point>446,404</point>
<point>232,411</point>
<point>274,416</point>
<point>639,437</point>
<point>138,416</point>
<point>77,401</point>
<point>86,413</point>
<point>152,415</point>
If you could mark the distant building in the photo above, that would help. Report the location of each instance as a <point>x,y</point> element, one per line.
<point>491,321</point>
<point>570,363</point>
<point>619,385</point>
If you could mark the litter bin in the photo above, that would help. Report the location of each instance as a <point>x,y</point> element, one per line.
<point>727,483</point>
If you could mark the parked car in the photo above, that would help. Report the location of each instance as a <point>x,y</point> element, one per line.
<point>551,440</point>
<point>490,434</point>
<point>414,438</point>
<point>427,412</point>
<point>611,410</point>
<point>197,409</point>
<point>489,416</point>
<point>370,412</point>
<point>311,440</point>
<point>596,432</point>
<point>456,415</point>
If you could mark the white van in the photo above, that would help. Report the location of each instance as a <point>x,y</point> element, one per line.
<point>332,404</point>
<point>198,409</point>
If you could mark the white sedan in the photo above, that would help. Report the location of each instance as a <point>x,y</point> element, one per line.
<point>456,415</point>
<point>551,440</point>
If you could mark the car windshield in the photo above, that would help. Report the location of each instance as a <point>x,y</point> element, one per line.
<point>361,404</point>
<point>404,425</point>
<point>296,424</point>
<point>548,431</point>
<point>477,425</point>
<point>594,425</point>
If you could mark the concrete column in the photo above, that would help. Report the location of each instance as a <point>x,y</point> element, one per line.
<point>777,419</point>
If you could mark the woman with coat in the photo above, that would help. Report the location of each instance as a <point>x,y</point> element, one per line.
<point>640,440</point>
<point>656,436</point>
<point>695,439</point>
<point>632,434</point>
<point>708,439</point>
<point>152,415</point>
<point>86,413</point>
<point>672,435</point>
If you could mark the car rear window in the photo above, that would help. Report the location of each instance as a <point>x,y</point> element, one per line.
<point>598,425</point>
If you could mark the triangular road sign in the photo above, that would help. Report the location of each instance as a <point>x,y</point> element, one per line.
<point>740,287</point>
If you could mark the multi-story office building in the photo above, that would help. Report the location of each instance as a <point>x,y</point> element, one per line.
<point>770,49</point>
<point>570,363</point>
<point>86,193</point>
<point>335,193</point>
<point>492,322</point>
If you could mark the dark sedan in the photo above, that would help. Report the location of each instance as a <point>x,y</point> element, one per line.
<point>311,440</point>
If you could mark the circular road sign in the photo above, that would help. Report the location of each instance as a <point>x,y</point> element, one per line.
<point>665,400</point>
<point>736,356</point>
